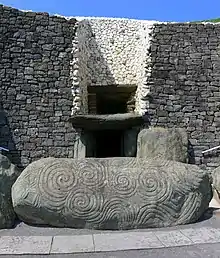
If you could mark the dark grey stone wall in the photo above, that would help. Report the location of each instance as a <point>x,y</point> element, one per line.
<point>37,74</point>
<point>35,85</point>
<point>185,84</point>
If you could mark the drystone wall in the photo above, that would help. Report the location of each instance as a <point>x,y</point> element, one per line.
<point>176,68</point>
<point>35,85</point>
<point>185,84</point>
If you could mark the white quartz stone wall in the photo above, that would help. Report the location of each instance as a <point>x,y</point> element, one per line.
<point>114,51</point>
<point>144,66</point>
<point>79,67</point>
<point>111,52</point>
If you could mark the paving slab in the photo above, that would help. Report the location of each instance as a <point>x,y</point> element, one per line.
<point>126,241</point>
<point>193,251</point>
<point>72,244</point>
<point>25,245</point>
<point>26,239</point>
<point>202,235</point>
<point>173,238</point>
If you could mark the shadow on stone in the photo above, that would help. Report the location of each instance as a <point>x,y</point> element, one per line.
<point>191,153</point>
<point>6,139</point>
<point>207,215</point>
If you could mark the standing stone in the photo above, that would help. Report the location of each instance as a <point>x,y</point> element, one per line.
<point>130,142</point>
<point>111,193</point>
<point>215,178</point>
<point>8,175</point>
<point>161,143</point>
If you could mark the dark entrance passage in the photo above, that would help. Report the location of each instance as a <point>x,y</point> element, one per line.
<point>104,138</point>
<point>105,105</point>
<point>111,99</point>
<point>109,143</point>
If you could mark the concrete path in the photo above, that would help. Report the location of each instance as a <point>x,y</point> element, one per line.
<point>107,242</point>
<point>29,240</point>
<point>205,232</point>
<point>193,251</point>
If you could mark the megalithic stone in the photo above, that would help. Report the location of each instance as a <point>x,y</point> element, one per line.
<point>111,193</point>
<point>163,143</point>
<point>8,174</point>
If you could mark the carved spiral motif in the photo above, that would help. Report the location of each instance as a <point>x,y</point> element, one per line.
<point>123,184</point>
<point>85,204</point>
<point>155,215</point>
<point>154,186</point>
<point>190,208</point>
<point>92,174</point>
<point>123,162</point>
<point>111,193</point>
<point>113,210</point>
<point>56,180</point>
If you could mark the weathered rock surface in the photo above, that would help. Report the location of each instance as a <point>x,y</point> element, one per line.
<point>215,178</point>
<point>8,175</point>
<point>161,143</point>
<point>115,193</point>
<point>130,141</point>
<point>110,122</point>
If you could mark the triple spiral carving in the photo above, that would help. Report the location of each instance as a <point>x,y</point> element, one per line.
<point>133,194</point>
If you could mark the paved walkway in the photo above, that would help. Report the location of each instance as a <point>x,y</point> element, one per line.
<point>107,242</point>
<point>25,239</point>
<point>193,251</point>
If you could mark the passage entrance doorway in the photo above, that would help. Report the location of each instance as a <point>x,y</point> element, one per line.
<point>108,143</point>
<point>109,100</point>
<point>111,126</point>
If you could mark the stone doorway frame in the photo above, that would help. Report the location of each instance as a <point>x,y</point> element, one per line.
<point>85,136</point>
<point>85,125</point>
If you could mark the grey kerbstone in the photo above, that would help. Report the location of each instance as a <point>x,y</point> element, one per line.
<point>8,174</point>
<point>111,193</point>
<point>10,245</point>
<point>202,235</point>
<point>126,241</point>
<point>173,238</point>
<point>161,143</point>
<point>72,244</point>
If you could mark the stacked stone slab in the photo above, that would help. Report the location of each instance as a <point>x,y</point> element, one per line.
<point>35,85</point>
<point>184,83</point>
<point>175,67</point>
<point>114,193</point>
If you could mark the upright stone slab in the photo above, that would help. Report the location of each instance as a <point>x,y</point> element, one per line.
<point>8,175</point>
<point>130,141</point>
<point>215,178</point>
<point>161,143</point>
<point>111,193</point>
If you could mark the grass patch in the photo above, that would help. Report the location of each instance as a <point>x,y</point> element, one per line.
<point>211,20</point>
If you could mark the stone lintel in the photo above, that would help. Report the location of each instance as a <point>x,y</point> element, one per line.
<point>107,122</point>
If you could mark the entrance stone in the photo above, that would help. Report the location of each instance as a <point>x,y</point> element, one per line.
<point>115,193</point>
